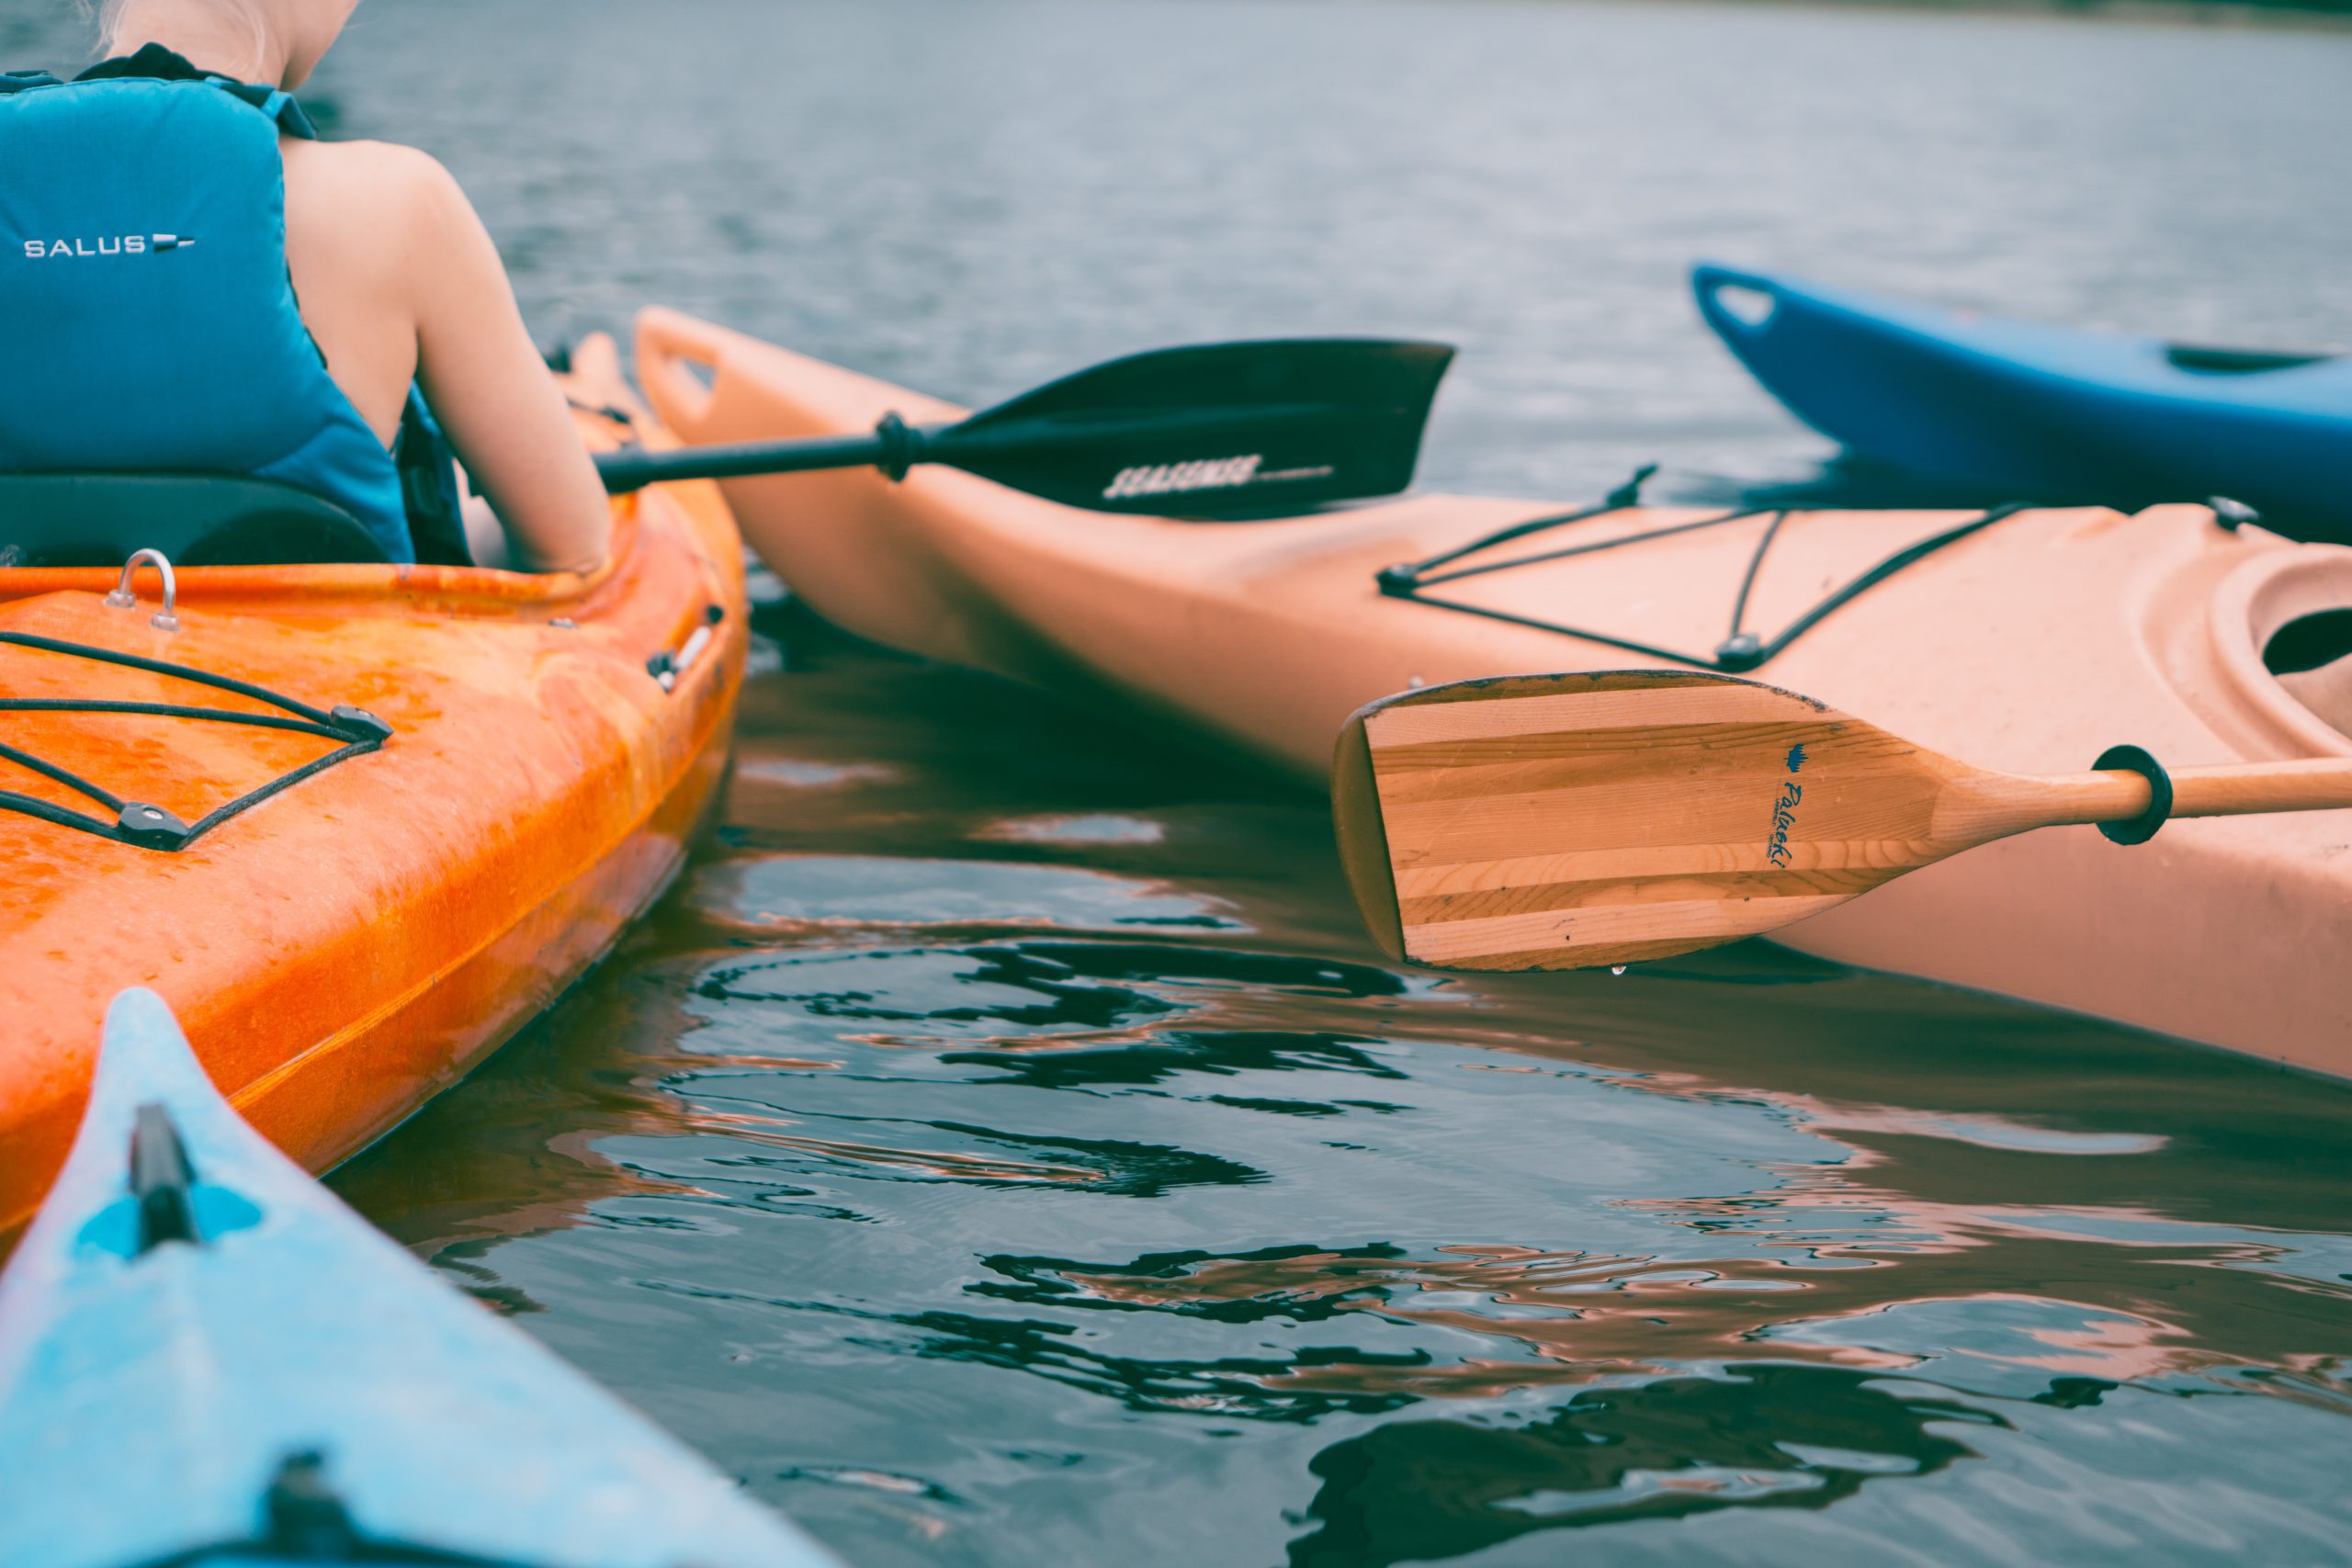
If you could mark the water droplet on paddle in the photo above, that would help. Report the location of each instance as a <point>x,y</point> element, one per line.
<point>1616,968</point>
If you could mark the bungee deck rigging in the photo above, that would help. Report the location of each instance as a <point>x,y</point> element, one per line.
<point>1741,651</point>
<point>138,823</point>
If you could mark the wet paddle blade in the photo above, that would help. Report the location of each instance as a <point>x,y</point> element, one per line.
<point>1220,429</point>
<point>1566,821</point>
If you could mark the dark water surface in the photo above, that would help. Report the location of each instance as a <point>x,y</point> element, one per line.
<point>1003,1150</point>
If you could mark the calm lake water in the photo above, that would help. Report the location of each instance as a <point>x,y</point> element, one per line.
<point>1003,1150</point>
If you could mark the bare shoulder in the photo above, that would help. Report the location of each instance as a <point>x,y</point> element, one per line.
<point>387,222</point>
<point>399,183</point>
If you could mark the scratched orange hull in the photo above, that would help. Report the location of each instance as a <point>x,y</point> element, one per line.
<point>352,945</point>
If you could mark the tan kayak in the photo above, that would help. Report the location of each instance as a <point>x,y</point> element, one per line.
<point>2030,642</point>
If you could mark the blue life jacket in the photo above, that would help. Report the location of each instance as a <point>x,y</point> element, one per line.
<point>145,303</point>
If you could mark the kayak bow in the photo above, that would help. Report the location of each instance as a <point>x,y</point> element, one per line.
<point>2043,411</point>
<point>207,1360</point>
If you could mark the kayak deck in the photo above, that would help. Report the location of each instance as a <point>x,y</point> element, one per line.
<point>194,1325</point>
<point>2029,645</point>
<point>352,945</point>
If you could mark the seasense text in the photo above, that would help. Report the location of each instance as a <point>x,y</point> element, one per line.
<point>1180,478</point>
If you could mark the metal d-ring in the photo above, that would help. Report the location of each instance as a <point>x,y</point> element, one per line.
<point>165,620</point>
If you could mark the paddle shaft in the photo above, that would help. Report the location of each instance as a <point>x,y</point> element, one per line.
<point>2237,790</point>
<point>634,469</point>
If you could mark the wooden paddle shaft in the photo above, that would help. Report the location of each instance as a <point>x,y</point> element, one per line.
<point>2238,790</point>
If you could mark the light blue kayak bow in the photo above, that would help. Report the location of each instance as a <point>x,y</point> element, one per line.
<point>207,1360</point>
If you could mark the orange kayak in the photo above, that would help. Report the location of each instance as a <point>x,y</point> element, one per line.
<point>434,798</point>
<point>2029,641</point>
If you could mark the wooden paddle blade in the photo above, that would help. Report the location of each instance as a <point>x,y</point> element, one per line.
<point>1565,821</point>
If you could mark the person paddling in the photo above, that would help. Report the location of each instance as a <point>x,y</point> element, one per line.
<point>194,284</point>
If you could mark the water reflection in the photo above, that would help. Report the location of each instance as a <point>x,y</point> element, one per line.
<point>929,1191</point>
<point>784,890</point>
<point>1868,1295</point>
<point>1097,828</point>
<point>1000,993</point>
<point>1752,1437</point>
<point>921,1215</point>
<point>945,1202</point>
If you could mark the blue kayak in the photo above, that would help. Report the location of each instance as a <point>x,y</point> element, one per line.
<point>207,1360</point>
<point>2048,413</point>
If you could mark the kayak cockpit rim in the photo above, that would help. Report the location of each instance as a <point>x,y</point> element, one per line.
<point>2251,609</point>
<point>454,590</point>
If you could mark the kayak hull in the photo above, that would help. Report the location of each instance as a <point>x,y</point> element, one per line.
<point>349,947</point>
<point>2031,646</point>
<point>2047,412</point>
<point>195,1375</point>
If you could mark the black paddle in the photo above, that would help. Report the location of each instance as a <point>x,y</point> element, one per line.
<point>1222,430</point>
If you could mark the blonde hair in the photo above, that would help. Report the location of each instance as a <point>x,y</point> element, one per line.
<point>109,18</point>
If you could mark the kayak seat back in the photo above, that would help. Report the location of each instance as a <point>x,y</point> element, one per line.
<point>85,519</point>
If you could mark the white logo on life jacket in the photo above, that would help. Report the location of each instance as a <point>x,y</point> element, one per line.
<point>104,245</point>
<point>1179,479</point>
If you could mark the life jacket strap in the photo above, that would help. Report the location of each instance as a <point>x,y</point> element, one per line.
<point>275,102</point>
<point>428,470</point>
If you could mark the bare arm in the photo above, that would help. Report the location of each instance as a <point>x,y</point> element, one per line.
<point>502,410</point>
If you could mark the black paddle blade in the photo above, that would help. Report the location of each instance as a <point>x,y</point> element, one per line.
<point>1222,430</point>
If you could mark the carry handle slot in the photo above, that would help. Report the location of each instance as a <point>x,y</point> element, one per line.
<point>1736,304</point>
